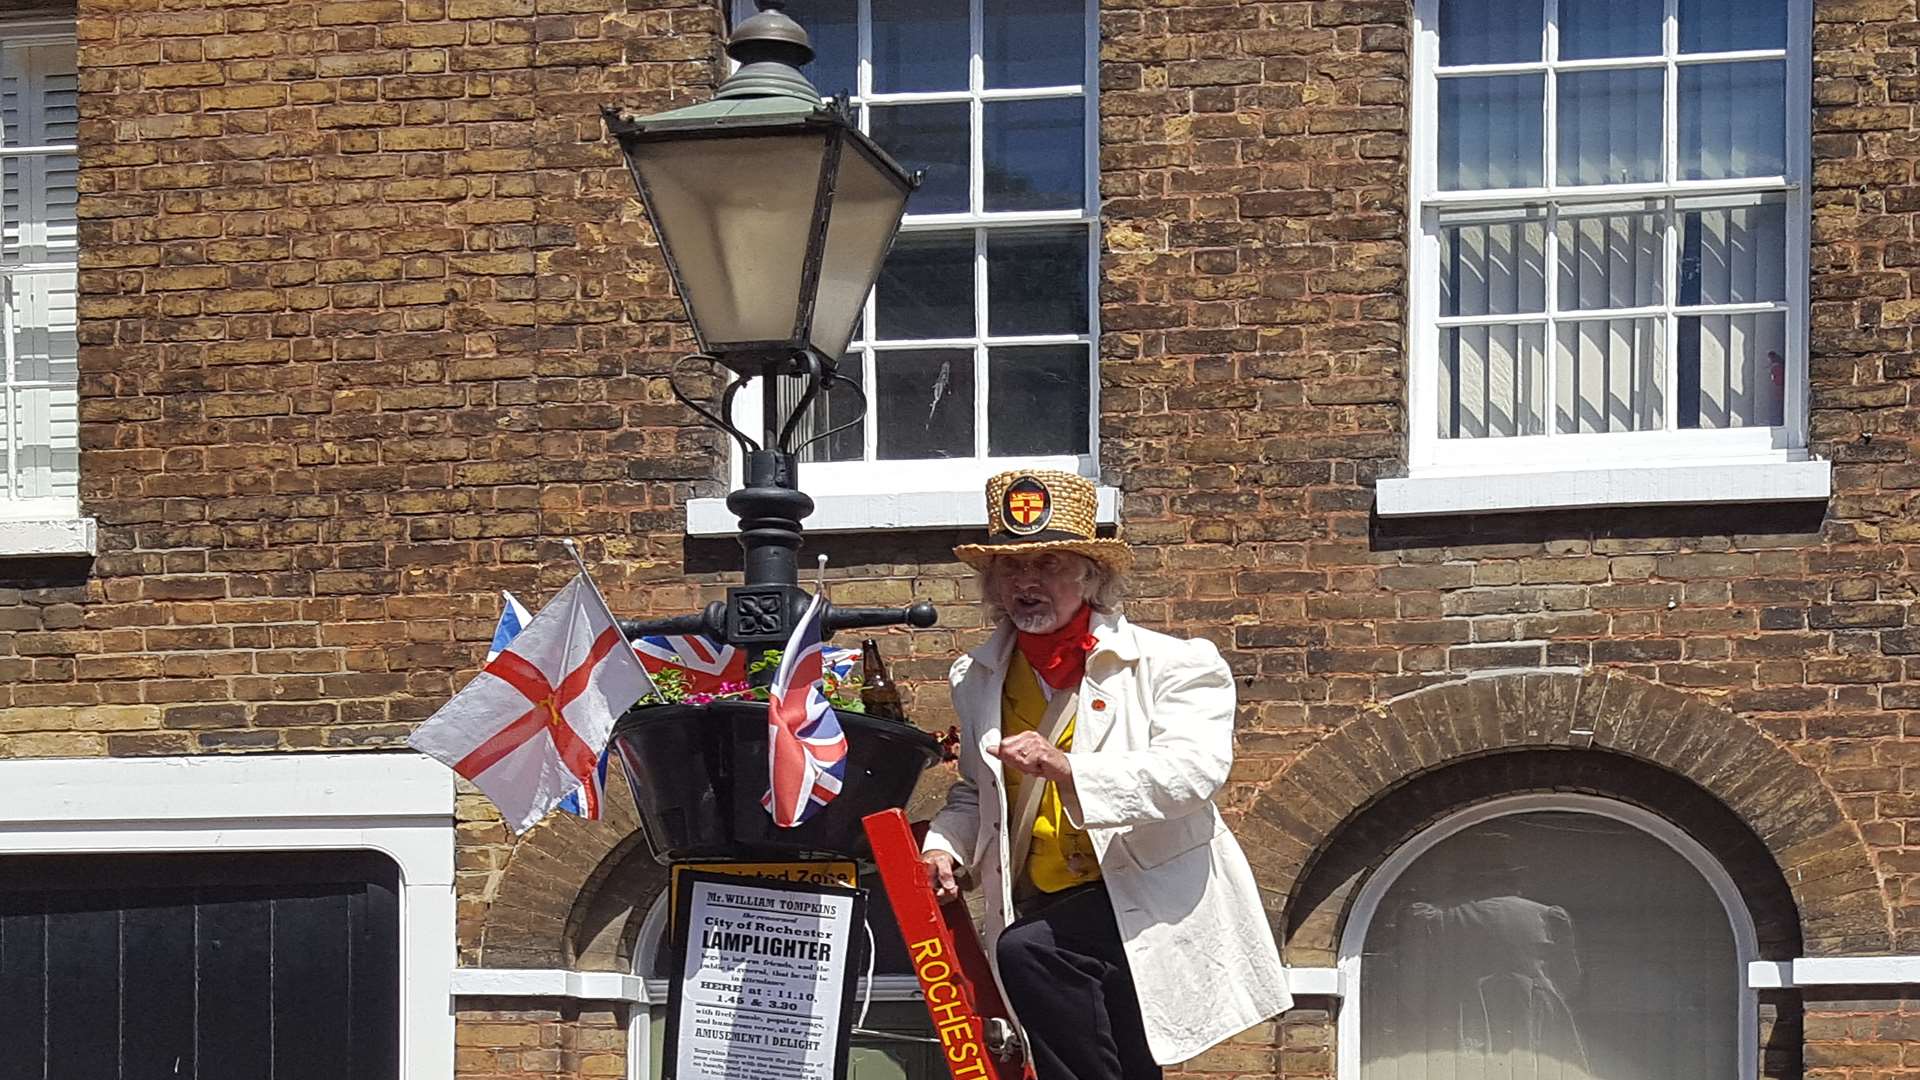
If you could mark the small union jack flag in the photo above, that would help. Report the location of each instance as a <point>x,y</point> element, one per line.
<point>841,664</point>
<point>588,799</point>
<point>806,749</point>
<point>708,666</point>
<point>513,619</point>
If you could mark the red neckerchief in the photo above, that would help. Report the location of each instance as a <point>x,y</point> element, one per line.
<point>1060,658</point>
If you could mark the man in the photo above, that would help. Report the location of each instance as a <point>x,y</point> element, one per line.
<point>1123,922</point>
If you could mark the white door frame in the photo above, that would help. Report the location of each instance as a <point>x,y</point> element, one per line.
<point>400,805</point>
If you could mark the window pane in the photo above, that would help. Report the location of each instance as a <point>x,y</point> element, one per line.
<point>1036,154</point>
<point>1734,255</point>
<point>38,95</point>
<point>37,219</point>
<point>932,138</point>
<point>1492,381</point>
<point>1549,946</point>
<point>926,287</point>
<point>1610,375</point>
<point>1037,281</point>
<point>1490,132</point>
<point>1733,370</point>
<point>1035,42</point>
<point>44,344</point>
<point>831,26</point>
<point>1611,260</point>
<point>1733,120</point>
<point>1493,269</point>
<point>838,405</point>
<point>1037,400</point>
<point>47,426</point>
<point>1489,31</point>
<point>1610,126</point>
<point>43,348</point>
<point>919,45</point>
<point>1726,25</point>
<point>1590,29</point>
<point>925,403</point>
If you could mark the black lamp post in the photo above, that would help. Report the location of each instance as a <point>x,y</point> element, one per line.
<point>774,213</point>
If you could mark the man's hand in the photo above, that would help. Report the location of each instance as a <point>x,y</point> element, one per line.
<point>940,875</point>
<point>1027,752</point>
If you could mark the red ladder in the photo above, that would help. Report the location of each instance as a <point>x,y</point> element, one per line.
<point>962,998</point>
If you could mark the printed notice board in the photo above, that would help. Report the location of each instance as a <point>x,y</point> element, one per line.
<point>763,985</point>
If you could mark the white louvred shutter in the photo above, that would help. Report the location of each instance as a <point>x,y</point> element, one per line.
<point>38,230</point>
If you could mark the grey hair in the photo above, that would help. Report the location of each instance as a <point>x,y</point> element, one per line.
<point>1100,585</point>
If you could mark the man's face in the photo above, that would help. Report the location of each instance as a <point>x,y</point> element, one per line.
<point>1038,592</point>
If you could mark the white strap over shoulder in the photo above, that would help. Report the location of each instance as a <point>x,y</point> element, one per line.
<point>1060,712</point>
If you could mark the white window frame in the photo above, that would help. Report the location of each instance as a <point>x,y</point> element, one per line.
<point>1722,465</point>
<point>37,526</point>
<point>1366,906</point>
<point>942,492</point>
<point>400,805</point>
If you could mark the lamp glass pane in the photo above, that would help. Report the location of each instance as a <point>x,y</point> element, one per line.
<point>867,206</point>
<point>735,214</point>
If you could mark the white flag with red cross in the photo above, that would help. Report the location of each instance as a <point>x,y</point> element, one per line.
<point>529,729</point>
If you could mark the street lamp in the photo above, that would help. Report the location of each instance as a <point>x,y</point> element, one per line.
<point>773,210</point>
<point>774,214</point>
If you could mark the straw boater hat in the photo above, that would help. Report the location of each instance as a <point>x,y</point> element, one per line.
<point>1036,510</point>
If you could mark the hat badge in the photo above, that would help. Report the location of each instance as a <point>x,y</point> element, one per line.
<point>1027,506</point>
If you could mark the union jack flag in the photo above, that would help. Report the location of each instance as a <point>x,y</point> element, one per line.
<point>841,664</point>
<point>708,666</point>
<point>806,749</point>
<point>587,799</point>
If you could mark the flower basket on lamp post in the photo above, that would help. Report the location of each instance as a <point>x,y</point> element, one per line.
<point>699,771</point>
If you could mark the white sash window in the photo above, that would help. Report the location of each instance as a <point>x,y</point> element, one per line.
<point>39,400</point>
<point>1610,234</point>
<point>978,346</point>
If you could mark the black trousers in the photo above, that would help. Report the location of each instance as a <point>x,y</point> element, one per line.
<point>1067,975</point>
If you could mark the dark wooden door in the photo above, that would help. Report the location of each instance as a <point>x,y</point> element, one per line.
<point>199,967</point>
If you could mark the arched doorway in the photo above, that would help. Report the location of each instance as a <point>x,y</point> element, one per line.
<point>1548,937</point>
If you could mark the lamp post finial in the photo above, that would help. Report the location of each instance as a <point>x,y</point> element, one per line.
<point>771,49</point>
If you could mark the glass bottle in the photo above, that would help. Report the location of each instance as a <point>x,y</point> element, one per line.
<point>879,694</point>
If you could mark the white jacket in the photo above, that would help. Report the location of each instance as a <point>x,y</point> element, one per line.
<point>1152,743</point>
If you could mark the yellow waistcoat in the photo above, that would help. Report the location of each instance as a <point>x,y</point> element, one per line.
<point>1061,856</point>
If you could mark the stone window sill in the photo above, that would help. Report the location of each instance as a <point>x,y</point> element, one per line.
<point>885,510</point>
<point>1569,489</point>
<point>41,537</point>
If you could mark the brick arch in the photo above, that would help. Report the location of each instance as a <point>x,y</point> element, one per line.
<point>1796,818</point>
<point>570,888</point>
